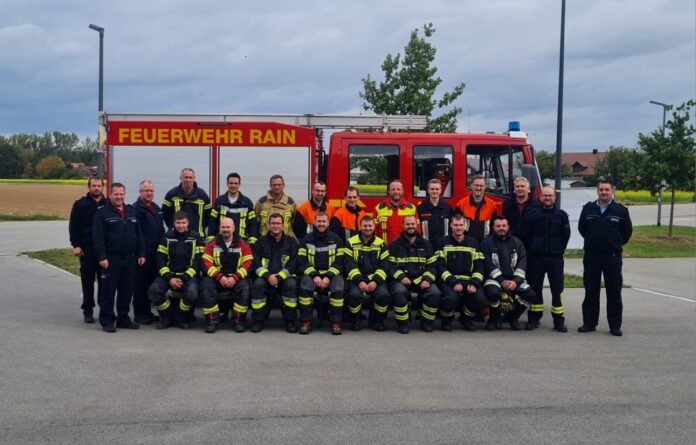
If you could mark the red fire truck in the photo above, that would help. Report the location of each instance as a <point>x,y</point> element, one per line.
<point>367,153</point>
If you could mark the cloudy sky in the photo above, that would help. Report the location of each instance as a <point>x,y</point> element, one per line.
<point>309,56</point>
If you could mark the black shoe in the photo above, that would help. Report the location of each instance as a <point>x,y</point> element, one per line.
<point>183,325</point>
<point>479,317</point>
<point>559,325</point>
<point>378,326</point>
<point>356,325</point>
<point>108,328</point>
<point>426,327</point>
<point>446,324</point>
<point>290,327</point>
<point>530,326</point>
<point>491,325</point>
<point>468,324</point>
<point>143,320</point>
<point>239,326</point>
<point>127,324</point>
<point>514,325</point>
<point>89,318</point>
<point>616,332</point>
<point>336,329</point>
<point>402,328</point>
<point>585,328</point>
<point>256,327</point>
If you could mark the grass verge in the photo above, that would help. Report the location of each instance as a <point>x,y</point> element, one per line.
<point>652,242</point>
<point>61,258</point>
<point>39,217</point>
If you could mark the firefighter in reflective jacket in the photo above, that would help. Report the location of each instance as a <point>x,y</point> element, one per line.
<point>434,213</point>
<point>276,201</point>
<point>505,288</point>
<point>226,264</point>
<point>460,269</point>
<point>235,205</point>
<point>187,197</point>
<point>478,209</point>
<point>367,262</point>
<point>390,213</point>
<point>413,268</point>
<point>179,263</point>
<point>548,234</point>
<point>275,256</point>
<point>320,260</point>
<point>307,212</point>
<point>345,221</point>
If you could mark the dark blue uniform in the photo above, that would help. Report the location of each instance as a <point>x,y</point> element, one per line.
<point>80,228</point>
<point>519,221</point>
<point>117,238</point>
<point>548,235</point>
<point>152,228</point>
<point>605,234</point>
<point>434,219</point>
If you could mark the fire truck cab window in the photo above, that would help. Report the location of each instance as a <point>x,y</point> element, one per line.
<point>372,167</point>
<point>499,164</point>
<point>432,162</point>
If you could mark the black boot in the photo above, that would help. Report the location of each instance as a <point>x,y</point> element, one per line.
<point>224,306</point>
<point>239,321</point>
<point>446,324</point>
<point>467,324</point>
<point>211,322</point>
<point>533,320</point>
<point>493,322</point>
<point>402,327</point>
<point>426,326</point>
<point>181,318</point>
<point>559,324</point>
<point>166,319</point>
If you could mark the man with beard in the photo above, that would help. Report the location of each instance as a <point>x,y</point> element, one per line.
<point>187,197</point>
<point>80,228</point>
<point>345,221</point>
<point>276,201</point>
<point>391,212</point>
<point>320,260</point>
<point>307,212</point>
<point>460,270</point>
<point>413,269</point>
<point>367,263</point>
<point>275,256</point>
<point>506,290</point>
<point>235,205</point>
<point>478,209</point>
<point>519,209</point>
<point>226,264</point>
<point>179,263</point>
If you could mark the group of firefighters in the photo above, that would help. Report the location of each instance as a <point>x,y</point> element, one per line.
<point>432,257</point>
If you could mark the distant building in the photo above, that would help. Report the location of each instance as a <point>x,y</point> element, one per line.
<point>583,163</point>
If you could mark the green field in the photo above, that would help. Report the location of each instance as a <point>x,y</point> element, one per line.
<point>45,181</point>
<point>643,197</point>
<point>61,258</point>
<point>652,242</point>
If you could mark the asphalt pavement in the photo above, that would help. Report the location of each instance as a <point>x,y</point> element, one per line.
<point>63,381</point>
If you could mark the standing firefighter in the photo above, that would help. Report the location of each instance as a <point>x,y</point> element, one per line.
<point>390,213</point>
<point>413,268</point>
<point>187,197</point>
<point>548,235</point>
<point>235,205</point>
<point>434,213</point>
<point>179,263</point>
<point>460,270</point>
<point>275,256</point>
<point>226,264</point>
<point>478,209</point>
<point>367,263</point>
<point>320,260</point>
<point>520,208</point>
<point>506,290</point>
<point>606,227</point>
<point>345,221</point>
<point>307,212</point>
<point>117,242</point>
<point>276,201</point>
<point>80,227</point>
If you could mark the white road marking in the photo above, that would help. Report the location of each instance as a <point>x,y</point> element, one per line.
<point>664,295</point>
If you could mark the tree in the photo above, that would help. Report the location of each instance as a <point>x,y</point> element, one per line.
<point>409,85</point>
<point>45,168</point>
<point>10,161</point>
<point>546,162</point>
<point>672,156</point>
<point>623,166</point>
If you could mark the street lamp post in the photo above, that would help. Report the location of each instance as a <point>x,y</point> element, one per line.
<point>665,107</point>
<point>100,30</point>
<point>559,118</point>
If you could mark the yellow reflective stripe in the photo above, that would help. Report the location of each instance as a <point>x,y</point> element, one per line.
<point>536,308</point>
<point>213,271</point>
<point>164,271</point>
<point>355,310</point>
<point>380,309</point>
<point>353,273</point>
<point>283,274</point>
<point>306,301</point>
<point>336,302</point>
<point>191,272</point>
<point>239,308</point>
<point>163,249</point>
<point>426,315</point>
<point>468,313</point>
<point>334,271</point>
<point>445,275</point>
<point>477,275</point>
<point>380,273</point>
<point>164,306</point>
<point>242,272</point>
<point>210,310</point>
<point>448,314</point>
<point>292,304</point>
<point>557,310</point>
<point>183,306</point>
<point>258,304</point>
<point>208,257</point>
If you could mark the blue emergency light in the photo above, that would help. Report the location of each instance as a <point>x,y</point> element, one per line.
<point>514,126</point>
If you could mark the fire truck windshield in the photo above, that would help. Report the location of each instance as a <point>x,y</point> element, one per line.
<point>499,164</point>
